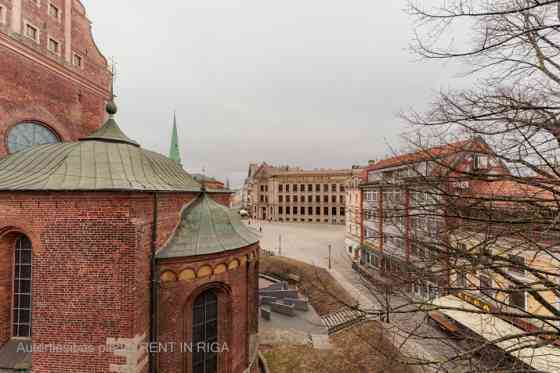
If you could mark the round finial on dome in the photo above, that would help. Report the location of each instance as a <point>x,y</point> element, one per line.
<point>111,108</point>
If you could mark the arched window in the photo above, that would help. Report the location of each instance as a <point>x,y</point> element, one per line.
<point>28,134</point>
<point>22,289</point>
<point>205,333</point>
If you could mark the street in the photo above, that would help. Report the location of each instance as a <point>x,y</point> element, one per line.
<point>310,243</point>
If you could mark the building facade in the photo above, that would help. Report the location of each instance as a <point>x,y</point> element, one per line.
<point>463,235</point>
<point>286,194</point>
<point>54,79</point>
<point>353,235</point>
<point>404,213</point>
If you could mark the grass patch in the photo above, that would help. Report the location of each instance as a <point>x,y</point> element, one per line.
<point>361,349</point>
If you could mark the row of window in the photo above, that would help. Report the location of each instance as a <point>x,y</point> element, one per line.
<point>325,199</point>
<point>310,187</point>
<point>288,210</point>
<point>309,220</point>
<point>33,32</point>
<point>52,9</point>
<point>397,195</point>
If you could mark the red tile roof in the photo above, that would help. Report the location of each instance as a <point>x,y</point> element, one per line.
<point>425,154</point>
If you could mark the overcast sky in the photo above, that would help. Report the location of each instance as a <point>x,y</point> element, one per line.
<point>311,83</point>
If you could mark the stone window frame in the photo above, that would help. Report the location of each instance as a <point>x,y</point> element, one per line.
<point>75,57</point>
<point>3,14</point>
<point>54,5</point>
<point>58,51</point>
<point>37,38</point>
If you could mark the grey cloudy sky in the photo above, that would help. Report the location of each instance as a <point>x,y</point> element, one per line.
<point>314,83</point>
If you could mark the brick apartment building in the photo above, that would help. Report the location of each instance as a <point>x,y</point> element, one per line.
<point>54,79</point>
<point>288,194</point>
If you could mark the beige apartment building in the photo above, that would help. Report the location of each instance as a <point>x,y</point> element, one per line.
<point>290,194</point>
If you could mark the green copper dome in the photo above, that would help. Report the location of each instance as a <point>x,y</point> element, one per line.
<point>105,160</point>
<point>207,227</point>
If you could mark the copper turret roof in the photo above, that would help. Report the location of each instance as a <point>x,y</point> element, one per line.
<point>207,227</point>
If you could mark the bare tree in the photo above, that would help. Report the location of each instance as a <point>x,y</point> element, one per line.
<point>475,219</point>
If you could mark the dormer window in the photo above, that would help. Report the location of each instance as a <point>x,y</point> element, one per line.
<point>32,32</point>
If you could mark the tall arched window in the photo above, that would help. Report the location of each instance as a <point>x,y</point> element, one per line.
<point>22,289</point>
<point>205,333</point>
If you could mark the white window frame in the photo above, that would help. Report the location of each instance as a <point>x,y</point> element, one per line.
<point>38,35</point>
<point>57,52</point>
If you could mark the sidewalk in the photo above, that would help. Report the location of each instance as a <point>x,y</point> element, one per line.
<point>409,348</point>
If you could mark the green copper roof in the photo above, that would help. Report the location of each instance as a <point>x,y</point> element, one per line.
<point>110,131</point>
<point>207,227</point>
<point>105,160</point>
<point>174,152</point>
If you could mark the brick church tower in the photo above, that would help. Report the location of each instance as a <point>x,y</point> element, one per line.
<point>105,247</point>
<point>54,81</point>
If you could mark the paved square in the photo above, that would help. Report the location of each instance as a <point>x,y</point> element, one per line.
<point>306,242</point>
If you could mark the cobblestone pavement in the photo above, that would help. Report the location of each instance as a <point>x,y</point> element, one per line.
<point>310,243</point>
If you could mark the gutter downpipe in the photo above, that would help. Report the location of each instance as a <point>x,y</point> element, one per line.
<point>153,286</point>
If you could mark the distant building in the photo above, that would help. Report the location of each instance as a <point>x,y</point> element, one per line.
<point>289,194</point>
<point>209,182</point>
<point>53,78</point>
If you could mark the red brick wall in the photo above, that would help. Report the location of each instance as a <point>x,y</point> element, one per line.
<point>91,272</point>
<point>40,86</point>
<point>90,268</point>
<point>240,296</point>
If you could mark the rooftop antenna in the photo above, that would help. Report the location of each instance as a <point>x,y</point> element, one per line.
<point>111,107</point>
<point>113,77</point>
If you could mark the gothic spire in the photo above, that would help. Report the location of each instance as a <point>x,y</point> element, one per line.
<point>174,152</point>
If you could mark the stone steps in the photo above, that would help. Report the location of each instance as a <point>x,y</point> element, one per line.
<point>337,321</point>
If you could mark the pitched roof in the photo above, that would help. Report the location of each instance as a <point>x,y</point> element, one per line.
<point>425,154</point>
<point>207,227</point>
<point>105,160</point>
